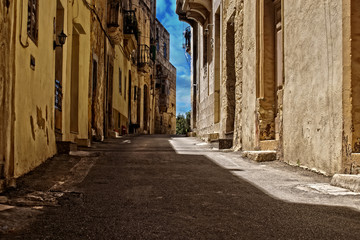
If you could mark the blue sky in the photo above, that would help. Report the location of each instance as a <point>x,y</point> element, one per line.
<point>165,12</point>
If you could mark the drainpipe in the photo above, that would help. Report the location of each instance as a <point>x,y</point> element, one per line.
<point>11,106</point>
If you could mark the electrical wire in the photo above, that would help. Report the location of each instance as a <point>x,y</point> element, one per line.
<point>92,9</point>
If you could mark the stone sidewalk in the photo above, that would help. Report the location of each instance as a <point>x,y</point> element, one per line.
<point>279,180</point>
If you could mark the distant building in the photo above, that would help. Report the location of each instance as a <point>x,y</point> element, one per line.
<point>165,84</point>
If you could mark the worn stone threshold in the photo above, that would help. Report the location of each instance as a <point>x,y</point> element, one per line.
<point>260,156</point>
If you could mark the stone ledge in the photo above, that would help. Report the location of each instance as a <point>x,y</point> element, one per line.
<point>2,185</point>
<point>260,156</point>
<point>65,147</point>
<point>348,181</point>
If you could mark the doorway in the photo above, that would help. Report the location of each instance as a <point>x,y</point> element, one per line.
<point>59,26</point>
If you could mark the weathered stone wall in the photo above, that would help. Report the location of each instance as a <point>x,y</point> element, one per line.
<point>98,51</point>
<point>248,117</point>
<point>239,21</point>
<point>231,62</point>
<point>206,121</point>
<point>312,106</point>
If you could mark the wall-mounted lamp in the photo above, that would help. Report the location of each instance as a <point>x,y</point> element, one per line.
<point>62,38</point>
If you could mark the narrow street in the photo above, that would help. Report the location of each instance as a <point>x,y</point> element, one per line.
<point>141,188</point>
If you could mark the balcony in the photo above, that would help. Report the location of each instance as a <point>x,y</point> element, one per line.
<point>187,36</point>
<point>143,58</point>
<point>192,11</point>
<point>114,23</point>
<point>131,31</point>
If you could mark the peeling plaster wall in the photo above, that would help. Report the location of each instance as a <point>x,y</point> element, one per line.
<point>312,106</point>
<point>34,137</point>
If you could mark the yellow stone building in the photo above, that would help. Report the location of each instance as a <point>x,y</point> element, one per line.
<point>72,72</point>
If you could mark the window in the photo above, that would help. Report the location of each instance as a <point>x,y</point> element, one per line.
<point>32,22</point>
<point>163,89</point>
<point>125,88</point>
<point>165,51</point>
<point>113,14</point>
<point>120,81</point>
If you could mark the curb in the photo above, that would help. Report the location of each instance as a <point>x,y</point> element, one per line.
<point>348,181</point>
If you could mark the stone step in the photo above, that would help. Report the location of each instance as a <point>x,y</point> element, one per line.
<point>348,181</point>
<point>64,147</point>
<point>260,156</point>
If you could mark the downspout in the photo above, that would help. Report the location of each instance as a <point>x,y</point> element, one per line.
<point>11,170</point>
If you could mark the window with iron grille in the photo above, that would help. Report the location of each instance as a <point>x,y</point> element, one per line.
<point>32,22</point>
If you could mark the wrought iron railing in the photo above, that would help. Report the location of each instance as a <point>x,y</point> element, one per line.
<point>58,95</point>
<point>143,54</point>
<point>130,23</point>
<point>187,36</point>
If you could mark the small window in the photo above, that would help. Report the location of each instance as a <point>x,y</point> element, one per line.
<point>165,51</point>
<point>120,81</point>
<point>125,88</point>
<point>119,120</point>
<point>32,22</point>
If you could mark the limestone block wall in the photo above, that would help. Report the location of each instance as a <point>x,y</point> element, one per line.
<point>206,121</point>
<point>312,105</point>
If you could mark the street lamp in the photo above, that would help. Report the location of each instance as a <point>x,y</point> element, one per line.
<point>62,38</point>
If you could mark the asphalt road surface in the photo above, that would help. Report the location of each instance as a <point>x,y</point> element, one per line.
<point>139,188</point>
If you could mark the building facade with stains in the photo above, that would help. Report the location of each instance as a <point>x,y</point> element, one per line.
<point>278,76</point>
<point>165,84</point>
<point>72,72</point>
<point>41,82</point>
